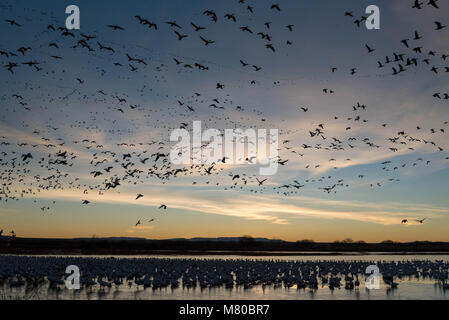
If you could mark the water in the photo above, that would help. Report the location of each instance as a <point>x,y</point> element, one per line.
<point>408,287</point>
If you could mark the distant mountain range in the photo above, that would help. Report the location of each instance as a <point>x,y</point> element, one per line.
<point>226,239</point>
<point>111,238</point>
<point>197,239</point>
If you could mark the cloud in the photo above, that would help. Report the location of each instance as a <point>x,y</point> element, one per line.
<point>266,208</point>
<point>139,229</point>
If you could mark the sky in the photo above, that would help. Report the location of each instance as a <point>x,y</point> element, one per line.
<point>375,187</point>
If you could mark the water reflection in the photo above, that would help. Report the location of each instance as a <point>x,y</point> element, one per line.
<point>227,277</point>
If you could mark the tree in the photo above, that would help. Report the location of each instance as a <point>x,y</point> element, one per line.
<point>246,238</point>
<point>305,241</point>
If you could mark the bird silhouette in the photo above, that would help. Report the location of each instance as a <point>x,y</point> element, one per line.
<point>180,36</point>
<point>417,36</point>
<point>246,28</point>
<point>270,46</point>
<point>230,17</point>
<point>197,28</point>
<point>433,3</point>
<point>439,26</point>
<point>174,24</point>
<point>115,27</point>
<point>276,7</point>
<point>369,48</point>
<point>207,42</point>
<point>13,23</point>
<point>417,5</point>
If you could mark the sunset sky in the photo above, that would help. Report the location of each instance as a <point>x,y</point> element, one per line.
<point>63,110</point>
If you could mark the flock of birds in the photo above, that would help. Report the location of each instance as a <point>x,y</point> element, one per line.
<point>53,153</point>
<point>143,273</point>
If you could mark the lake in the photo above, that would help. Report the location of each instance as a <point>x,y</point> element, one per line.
<point>251,277</point>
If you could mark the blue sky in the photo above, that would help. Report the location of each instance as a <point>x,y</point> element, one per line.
<point>291,77</point>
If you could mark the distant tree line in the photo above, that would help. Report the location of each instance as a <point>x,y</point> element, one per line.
<point>246,244</point>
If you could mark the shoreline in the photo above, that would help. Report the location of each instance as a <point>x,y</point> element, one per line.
<point>200,253</point>
<point>85,247</point>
